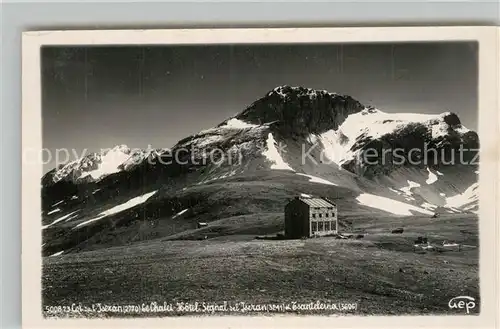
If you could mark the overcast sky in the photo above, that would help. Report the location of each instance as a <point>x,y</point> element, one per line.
<point>95,98</point>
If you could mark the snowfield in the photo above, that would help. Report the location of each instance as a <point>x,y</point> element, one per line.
<point>432,177</point>
<point>459,200</point>
<point>314,179</point>
<point>272,154</point>
<point>238,124</point>
<point>57,203</point>
<point>121,207</point>
<point>179,213</point>
<point>373,123</point>
<point>65,217</point>
<point>407,189</point>
<point>333,149</point>
<point>390,205</point>
<point>428,206</point>
<point>53,211</point>
<point>110,162</point>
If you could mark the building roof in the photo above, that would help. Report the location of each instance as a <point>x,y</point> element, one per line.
<point>317,202</point>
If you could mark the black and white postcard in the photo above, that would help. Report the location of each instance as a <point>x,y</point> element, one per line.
<point>328,176</point>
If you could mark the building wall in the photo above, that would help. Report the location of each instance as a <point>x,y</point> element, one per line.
<point>323,221</point>
<point>296,219</point>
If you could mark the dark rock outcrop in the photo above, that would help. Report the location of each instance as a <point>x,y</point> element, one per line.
<point>299,111</point>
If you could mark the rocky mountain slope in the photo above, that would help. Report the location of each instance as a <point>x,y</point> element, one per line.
<point>239,175</point>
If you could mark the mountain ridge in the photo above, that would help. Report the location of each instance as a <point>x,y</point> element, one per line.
<point>258,165</point>
<point>285,108</point>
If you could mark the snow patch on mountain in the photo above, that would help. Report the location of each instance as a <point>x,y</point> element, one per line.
<point>95,166</point>
<point>57,203</point>
<point>394,191</point>
<point>370,124</point>
<point>119,208</point>
<point>53,211</point>
<point>110,162</point>
<point>238,124</point>
<point>432,177</point>
<point>202,142</point>
<point>72,217</point>
<point>179,213</point>
<point>67,216</point>
<point>407,189</point>
<point>428,206</point>
<point>461,129</point>
<point>334,149</point>
<point>439,130</point>
<point>315,179</point>
<point>468,196</point>
<point>372,121</point>
<point>312,138</point>
<point>273,155</point>
<point>390,205</point>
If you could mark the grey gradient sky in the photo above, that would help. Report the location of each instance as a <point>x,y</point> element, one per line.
<point>99,97</point>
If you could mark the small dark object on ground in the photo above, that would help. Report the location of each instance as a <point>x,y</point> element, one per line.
<point>398,230</point>
<point>401,270</point>
<point>426,272</point>
<point>435,215</point>
<point>360,236</point>
<point>421,240</point>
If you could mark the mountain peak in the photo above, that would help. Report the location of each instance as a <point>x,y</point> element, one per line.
<point>97,165</point>
<point>298,91</point>
<point>120,148</point>
<point>451,118</point>
<point>301,110</point>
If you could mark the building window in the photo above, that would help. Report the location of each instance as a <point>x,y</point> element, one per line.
<point>314,215</point>
<point>327,226</point>
<point>333,214</point>
<point>314,227</point>
<point>320,226</point>
<point>320,215</point>
<point>327,214</point>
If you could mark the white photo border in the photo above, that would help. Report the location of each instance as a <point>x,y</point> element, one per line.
<point>488,39</point>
